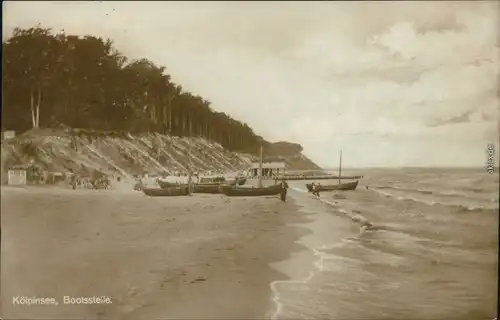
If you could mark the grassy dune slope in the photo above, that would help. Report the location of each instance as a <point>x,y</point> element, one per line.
<point>125,154</point>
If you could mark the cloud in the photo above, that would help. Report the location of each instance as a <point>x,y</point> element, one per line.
<point>369,76</point>
<point>484,114</point>
<point>462,118</point>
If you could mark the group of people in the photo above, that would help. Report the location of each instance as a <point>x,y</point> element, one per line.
<point>284,187</point>
<point>315,189</point>
<point>78,182</point>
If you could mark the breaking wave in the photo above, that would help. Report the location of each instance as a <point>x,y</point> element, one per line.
<point>435,202</point>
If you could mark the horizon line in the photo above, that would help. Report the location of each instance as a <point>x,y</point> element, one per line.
<point>410,167</point>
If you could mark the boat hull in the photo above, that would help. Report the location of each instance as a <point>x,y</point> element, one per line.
<point>251,192</point>
<point>335,187</point>
<point>212,188</point>
<point>167,192</point>
<point>166,185</point>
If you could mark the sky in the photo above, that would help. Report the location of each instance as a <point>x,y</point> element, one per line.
<point>390,83</point>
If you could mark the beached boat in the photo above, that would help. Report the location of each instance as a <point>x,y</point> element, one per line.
<point>220,180</point>
<point>167,192</point>
<point>166,185</point>
<point>234,191</point>
<point>211,179</point>
<point>320,177</point>
<point>207,188</point>
<point>335,187</point>
<point>242,181</point>
<point>196,187</point>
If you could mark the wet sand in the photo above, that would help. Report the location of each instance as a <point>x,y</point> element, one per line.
<point>204,256</point>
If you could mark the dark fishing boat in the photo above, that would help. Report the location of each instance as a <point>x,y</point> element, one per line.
<point>166,185</point>
<point>211,179</point>
<point>242,181</point>
<point>167,192</point>
<point>207,188</point>
<point>196,187</point>
<point>219,180</point>
<point>234,191</point>
<point>334,187</point>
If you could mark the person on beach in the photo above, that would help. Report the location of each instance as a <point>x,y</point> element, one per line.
<point>73,180</point>
<point>190,185</point>
<point>284,187</point>
<point>315,189</point>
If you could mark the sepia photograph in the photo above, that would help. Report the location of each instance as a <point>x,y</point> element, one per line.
<point>250,160</point>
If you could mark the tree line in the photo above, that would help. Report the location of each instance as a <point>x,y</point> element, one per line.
<point>54,79</point>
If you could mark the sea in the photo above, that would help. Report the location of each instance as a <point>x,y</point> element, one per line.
<point>406,244</point>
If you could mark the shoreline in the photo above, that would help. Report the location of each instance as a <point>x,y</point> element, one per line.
<point>204,256</point>
<point>325,228</point>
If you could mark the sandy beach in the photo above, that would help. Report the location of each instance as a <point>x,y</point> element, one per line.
<point>204,256</point>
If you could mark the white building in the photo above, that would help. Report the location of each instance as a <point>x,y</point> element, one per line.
<point>17,176</point>
<point>8,134</point>
<point>269,169</point>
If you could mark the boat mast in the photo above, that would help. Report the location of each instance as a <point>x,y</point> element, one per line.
<point>260,168</point>
<point>340,165</point>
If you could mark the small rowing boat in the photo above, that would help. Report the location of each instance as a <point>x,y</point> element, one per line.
<point>207,188</point>
<point>196,187</point>
<point>334,187</point>
<point>241,180</point>
<point>234,191</point>
<point>166,185</point>
<point>167,192</point>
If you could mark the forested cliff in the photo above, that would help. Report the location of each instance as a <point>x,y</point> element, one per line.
<point>54,80</point>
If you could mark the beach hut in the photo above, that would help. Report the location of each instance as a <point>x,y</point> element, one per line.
<point>270,170</point>
<point>55,177</point>
<point>17,175</point>
<point>8,134</point>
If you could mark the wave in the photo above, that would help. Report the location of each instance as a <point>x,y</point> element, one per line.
<point>355,215</point>
<point>450,193</point>
<point>398,244</point>
<point>372,248</point>
<point>458,207</point>
<point>323,261</point>
<point>279,301</point>
<point>476,190</point>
